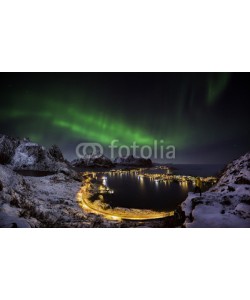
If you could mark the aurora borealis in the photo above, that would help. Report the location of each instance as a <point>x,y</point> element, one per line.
<point>204,115</point>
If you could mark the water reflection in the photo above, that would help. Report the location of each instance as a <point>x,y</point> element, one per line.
<point>145,193</point>
<point>145,189</point>
<point>142,183</point>
<point>157,184</point>
<point>184,185</point>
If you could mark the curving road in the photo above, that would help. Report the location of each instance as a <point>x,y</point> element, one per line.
<point>118,213</point>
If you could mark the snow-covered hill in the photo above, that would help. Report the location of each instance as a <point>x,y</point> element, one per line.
<point>47,201</point>
<point>227,204</point>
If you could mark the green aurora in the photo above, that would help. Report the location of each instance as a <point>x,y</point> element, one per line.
<point>87,124</point>
<point>186,110</point>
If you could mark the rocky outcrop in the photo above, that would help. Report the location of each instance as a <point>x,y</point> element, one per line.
<point>133,162</point>
<point>31,156</point>
<point>56,153</point>
<point>95,160</point>
<point>8,146</point>
<point>227,204</point>
<point>22,154</point>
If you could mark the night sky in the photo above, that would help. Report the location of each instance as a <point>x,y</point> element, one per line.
<point>204,115</point>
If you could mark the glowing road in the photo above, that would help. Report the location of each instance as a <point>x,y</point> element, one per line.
<point>117,213</point>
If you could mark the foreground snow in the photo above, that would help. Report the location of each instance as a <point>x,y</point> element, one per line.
<point>38,201</point>
<point>227,204</point>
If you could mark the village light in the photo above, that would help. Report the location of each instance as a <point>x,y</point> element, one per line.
<point>91,187</point>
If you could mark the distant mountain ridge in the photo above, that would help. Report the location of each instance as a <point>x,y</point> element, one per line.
<point>132,161</point>
<point>92,160</point>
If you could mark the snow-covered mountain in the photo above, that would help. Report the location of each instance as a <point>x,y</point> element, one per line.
<point>227,204</point>
<point>22,154</point>
<point>31,156</point>
<point>132,161</point>
<point>93,160</point>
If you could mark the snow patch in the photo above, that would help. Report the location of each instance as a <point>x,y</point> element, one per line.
<point>227,204</point>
